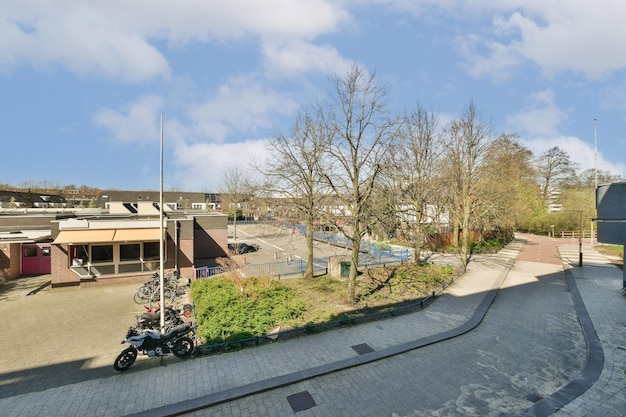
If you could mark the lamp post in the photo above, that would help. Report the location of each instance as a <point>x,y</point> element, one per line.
<point>580,241</point>
<point>580,236</point>
<point>595,164</point>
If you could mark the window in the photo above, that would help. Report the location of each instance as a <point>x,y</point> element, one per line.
<point>45,251</point>
<point>30,251</point>
<point>151,251</point>
<point>116,258</point>
<point>103,253</point>
<point>131,252</point>
<point>79,255</point>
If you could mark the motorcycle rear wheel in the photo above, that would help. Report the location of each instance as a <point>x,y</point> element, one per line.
<point>183,347</point>
<point>125,359</point>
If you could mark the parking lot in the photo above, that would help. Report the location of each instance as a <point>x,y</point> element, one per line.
<point>60,336</point>
<point>277,244</point>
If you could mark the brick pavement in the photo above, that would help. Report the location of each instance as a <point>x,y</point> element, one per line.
<point>600,284</point>
<point>528,345</point>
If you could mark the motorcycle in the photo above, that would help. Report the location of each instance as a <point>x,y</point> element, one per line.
<point>152,343</point>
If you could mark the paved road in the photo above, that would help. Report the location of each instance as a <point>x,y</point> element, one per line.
<point>522,347</point>
<point>540,249</point>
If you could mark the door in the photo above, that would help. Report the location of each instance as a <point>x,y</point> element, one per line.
<point>36,259</point>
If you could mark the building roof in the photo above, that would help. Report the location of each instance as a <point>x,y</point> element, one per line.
<point>25,236</point>
<point>25,196</point>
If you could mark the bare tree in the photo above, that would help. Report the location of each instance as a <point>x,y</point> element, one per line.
<point>589,176</point>
<point>554,168</point>
<point>236,188</point>
<point>466,145</point>
<point>415,176</point>
<point>293,173</point>
<point>359,135</point>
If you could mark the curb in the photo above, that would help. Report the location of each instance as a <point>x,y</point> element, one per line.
<point>590,372</point>
<point>206,401</point>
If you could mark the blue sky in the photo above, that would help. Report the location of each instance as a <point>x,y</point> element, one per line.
<point>83,84</point>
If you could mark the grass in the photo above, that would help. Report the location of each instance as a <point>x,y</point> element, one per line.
<point>612,250</point>
<point>229,308</point>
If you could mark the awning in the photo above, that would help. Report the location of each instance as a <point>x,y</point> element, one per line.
<point>84,236</point>
<point>136,235</point>
<point>106,235</point>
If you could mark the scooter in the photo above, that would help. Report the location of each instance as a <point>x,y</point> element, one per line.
<point>152,343</point>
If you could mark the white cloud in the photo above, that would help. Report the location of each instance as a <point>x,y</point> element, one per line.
<point>557,35</point>
<point>136,122</point>
<point>201,166</point>
<point>117,39</point>
<point>296,57</point>
<point>580,152</point>
<point>498,61</point>
<point>241,105</point>
<point>79,37</point>
<point>541,116</point>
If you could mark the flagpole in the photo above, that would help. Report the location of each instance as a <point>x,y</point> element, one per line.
<point>161,246</point>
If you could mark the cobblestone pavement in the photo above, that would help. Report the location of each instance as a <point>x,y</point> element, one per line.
<point>524,343</point>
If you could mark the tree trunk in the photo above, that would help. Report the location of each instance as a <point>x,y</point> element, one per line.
<point>417,243</point>
<point>352,278</point>
<point>308,273</point>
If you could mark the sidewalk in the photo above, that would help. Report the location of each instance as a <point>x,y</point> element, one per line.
<point>600,285</point>
<point>501,340</point>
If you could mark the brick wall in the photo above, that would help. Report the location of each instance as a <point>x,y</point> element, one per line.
<point>61,274</point>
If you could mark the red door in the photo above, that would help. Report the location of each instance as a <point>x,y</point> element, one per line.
<point>36,259</point>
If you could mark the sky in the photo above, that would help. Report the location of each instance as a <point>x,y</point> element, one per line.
<point>83,85</point>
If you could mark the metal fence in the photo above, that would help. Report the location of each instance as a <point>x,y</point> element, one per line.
<point>271,269</point>
<point>298,266</point>
<point>372,253</point>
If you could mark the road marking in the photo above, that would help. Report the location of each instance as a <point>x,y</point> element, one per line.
<point>261,240</point>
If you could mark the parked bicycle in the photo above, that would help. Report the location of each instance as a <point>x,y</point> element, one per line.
<point>151,290</point>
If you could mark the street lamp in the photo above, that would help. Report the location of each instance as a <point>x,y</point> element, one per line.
<point>580,236</point>
<point>580,241</point>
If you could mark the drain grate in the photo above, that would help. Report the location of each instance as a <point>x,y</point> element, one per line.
<point>301,401</point>
<point>362,349</point>
<point>534,396</point>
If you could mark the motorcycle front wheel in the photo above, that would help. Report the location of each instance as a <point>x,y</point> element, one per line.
<point>125,359</point>
<point>183,347</point>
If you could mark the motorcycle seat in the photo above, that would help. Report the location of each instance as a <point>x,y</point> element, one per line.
<point>183,328</point>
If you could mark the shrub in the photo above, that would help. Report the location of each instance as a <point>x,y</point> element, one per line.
<point>229,309</point>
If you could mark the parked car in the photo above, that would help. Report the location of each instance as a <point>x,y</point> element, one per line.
<point>242,248</point>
